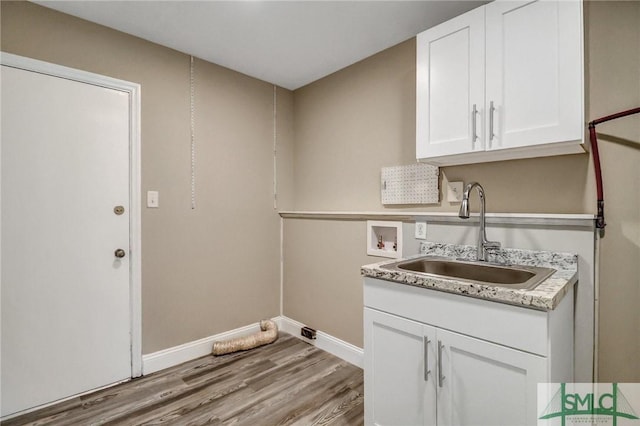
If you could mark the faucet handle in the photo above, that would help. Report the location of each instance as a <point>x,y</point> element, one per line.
<point>491,244</point>
<point>484,247</point>
<point>493,254</point>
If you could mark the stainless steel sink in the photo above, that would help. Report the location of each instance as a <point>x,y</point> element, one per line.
<point>513,276</point>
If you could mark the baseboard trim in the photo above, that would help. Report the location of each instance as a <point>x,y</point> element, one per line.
<point>324,341</point>
<point>170,357</point>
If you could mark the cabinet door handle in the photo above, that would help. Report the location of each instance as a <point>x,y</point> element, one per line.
<point>474,113</point>
<point>441,376</point>
<point>491,111</point>
<point>425,345</point>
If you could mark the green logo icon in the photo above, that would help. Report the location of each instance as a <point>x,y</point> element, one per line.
<point>564,404</point>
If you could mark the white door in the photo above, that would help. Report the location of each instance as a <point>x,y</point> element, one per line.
<point>66,319</point>
<point>534,70</point>
<point>399,368</point>
<point>485,383</point>
<point>450,87</point>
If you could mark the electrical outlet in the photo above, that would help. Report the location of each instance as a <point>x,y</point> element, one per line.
<point>421,230</point>
<point>454,192</point>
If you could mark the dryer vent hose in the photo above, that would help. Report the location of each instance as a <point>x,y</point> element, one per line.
<point>268,334</point>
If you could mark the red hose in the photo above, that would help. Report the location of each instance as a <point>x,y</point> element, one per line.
<point>600,223</point>
<point>616,115</point>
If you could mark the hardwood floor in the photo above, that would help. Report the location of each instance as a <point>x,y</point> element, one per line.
<point>286,383</point>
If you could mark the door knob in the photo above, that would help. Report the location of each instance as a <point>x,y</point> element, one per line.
<point>119,253</point>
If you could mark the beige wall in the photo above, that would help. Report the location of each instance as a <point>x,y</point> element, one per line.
<point>614,83</point>
<point>195,279</point>
<point>323,283</point>
<point>352,123</point>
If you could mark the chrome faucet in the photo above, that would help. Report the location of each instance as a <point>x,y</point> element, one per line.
<point>483,243</point>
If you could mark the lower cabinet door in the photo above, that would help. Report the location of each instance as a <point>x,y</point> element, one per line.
<point>486,384</point>
<point>399,371</point>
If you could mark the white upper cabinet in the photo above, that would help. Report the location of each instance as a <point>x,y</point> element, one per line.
<point>500,82</point>
<point>534,72</point>
<point>450,86</point>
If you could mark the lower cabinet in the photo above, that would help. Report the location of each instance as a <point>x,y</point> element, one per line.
<point>417,374</point>
<point>421,374</point>
<point>486,384</point>
<point>400,371</point>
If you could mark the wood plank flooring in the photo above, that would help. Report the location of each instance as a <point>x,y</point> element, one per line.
<point>286,383</point>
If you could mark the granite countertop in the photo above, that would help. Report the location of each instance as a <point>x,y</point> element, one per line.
<point>546,296</point>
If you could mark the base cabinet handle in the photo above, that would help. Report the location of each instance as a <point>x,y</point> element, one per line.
<point>441,376</point>
<point>425,345</point>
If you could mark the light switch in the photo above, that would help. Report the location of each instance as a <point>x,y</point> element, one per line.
<point>152,199</point>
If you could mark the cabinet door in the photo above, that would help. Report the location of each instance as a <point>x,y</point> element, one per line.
<point>399,390</point>
<point>485,383</point>
<point>534,73</point>
<point>450,82</point>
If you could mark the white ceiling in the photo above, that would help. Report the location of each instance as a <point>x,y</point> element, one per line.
<point>288,43</point>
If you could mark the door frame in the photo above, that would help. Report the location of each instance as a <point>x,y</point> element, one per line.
<point>135,268</point>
